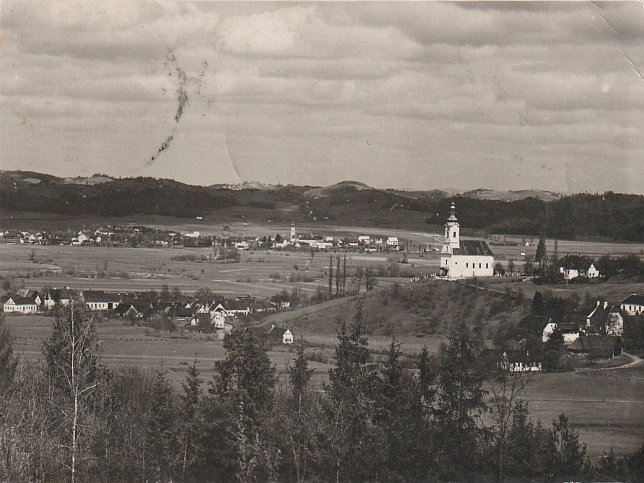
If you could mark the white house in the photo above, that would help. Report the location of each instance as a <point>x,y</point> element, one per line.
<point>364,239</point>
<point>287,337</point>
<point>569,273</point>
<point>97,300</point>
<point>218,320</point>
<point>633,304</point>
<point>464,258</point>
<point>592,271</point>
<point>570,332</point>
<point>392,242</point>
<point>20,305</point>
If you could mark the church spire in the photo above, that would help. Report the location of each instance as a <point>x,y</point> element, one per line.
<point>452,210</point>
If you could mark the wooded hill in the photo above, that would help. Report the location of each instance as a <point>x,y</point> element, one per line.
<point>609,215</point>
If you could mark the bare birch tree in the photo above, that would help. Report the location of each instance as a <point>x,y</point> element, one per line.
<point>71,361</point>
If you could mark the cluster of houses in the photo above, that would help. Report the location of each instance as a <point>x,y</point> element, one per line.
<point>218,316</point>
<point>106,236</point>
<point>596,336</point>
<point>309,241</point>
<point>145,236</point>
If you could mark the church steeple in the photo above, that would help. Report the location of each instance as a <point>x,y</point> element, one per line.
<point>451,231</point>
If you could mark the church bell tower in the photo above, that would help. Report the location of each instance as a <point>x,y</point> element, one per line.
<point>451,231</point>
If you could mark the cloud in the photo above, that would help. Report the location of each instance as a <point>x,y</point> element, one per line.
<point>422,94</point>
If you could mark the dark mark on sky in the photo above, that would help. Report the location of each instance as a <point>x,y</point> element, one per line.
<point>183,98</point>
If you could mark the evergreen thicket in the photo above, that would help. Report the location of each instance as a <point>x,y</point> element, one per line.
<point>389,418</point>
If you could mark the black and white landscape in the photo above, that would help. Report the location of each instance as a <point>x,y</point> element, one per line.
<point>321,241</point>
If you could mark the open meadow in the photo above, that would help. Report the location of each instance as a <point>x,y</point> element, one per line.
<point>259,273</point>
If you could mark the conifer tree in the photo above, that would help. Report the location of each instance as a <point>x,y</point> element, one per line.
<point>8,362</point>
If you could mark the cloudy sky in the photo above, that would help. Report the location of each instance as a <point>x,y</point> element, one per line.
<point>407,95</point>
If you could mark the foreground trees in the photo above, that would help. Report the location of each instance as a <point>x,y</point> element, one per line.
<point>387,417</point>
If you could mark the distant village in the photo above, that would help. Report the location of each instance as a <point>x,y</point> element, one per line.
<point>141,236</point>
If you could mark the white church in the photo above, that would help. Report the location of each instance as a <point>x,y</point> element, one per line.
<point>464,258</point>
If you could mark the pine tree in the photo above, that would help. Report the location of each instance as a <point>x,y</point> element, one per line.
<point>540,254</point>
<point>190,416</point>
<point>8,362</point>
<point>352,440</point>
<point>458,405</point>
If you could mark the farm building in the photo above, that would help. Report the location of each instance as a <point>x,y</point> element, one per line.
<point>464,258</point>
<point>596,347</point>
<point>509,360</point>
<point>19,305</point>
<point>543,327</point>
<point>633,304</point>
<point>605,320</point>
<point>98,300</point>
<point>570,332</point>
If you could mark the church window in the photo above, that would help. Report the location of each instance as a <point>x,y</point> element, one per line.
<point>486,265</point>
<point>454,235</point>
<point>479,265</point>
<point>466,265</point>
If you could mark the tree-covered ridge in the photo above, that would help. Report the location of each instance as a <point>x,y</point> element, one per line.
<point>609,215</point>
<point>377,419</point>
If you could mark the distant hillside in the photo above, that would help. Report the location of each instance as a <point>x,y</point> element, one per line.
<point>611,215</point>
<point>485,194</point>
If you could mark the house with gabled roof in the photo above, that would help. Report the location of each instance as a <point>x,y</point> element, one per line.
<point>596,347</point>
<point>605,319</point>
<point>99,300</point>
<point>633,304</point>
<point>19,305</point>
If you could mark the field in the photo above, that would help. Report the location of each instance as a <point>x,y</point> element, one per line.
<point>260,273</point>
<point>605,405</point>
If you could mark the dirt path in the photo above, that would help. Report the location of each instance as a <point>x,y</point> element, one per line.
<point>634,362</point>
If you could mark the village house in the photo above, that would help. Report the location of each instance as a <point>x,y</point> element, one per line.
<point>464,258</point>
<point>570,332</point>
<point>592,272</point>
<point>392,243</point>
<point>509,360</point>
<point>605,319</point>
<point>280,335</point>
<point>569,273</point>
<point>596,347</point>
<point>633,304</point>
<point>20,305</point>
<point>544,327</point>
<point>98,300</point>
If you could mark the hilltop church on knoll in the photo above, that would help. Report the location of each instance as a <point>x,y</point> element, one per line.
<point>464,258</point>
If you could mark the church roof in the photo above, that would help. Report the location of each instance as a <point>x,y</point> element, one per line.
<point>473,247</point>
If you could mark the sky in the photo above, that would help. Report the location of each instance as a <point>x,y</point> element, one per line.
<point>419,95</point>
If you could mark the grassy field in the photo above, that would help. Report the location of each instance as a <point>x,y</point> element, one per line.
<point>261,273</point>
<point>606,406</point>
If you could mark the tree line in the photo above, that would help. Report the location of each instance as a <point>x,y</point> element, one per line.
<point>392,418</point>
